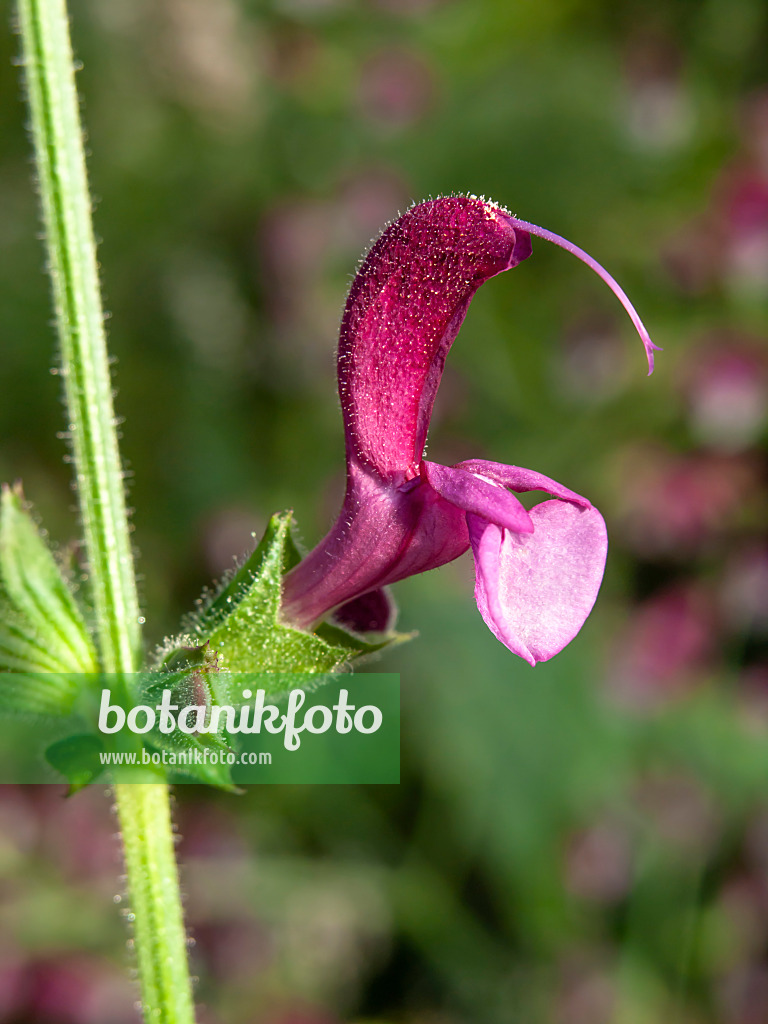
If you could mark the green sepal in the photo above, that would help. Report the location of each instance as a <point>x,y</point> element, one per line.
<point>359,645</point>
<point>241,621</point>
<point>78,759</point>
<point>43,636</point>
<point>256,582</point>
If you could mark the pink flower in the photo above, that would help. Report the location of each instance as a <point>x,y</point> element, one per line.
<point>666,648</point>
<point>537,572</point>
<point>727,391</point>
<point>675,505</point>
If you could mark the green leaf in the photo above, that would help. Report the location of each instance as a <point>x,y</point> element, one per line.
<point>38,693</point>
<point>42,632</point>
<point>77,758</point>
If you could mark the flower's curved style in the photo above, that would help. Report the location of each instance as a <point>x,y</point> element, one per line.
<point>537,572</point>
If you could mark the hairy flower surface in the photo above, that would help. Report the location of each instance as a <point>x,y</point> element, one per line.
<point>537,572</point>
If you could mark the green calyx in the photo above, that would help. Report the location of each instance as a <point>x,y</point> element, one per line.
<point>241,621</point>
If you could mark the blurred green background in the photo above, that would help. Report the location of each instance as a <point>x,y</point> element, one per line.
<point>581,843</point>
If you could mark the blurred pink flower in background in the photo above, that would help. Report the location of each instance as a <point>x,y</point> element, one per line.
<point>657,112</point>
<point>232,950</point>
<point>54,980</point>
<point>681,811</point>
<point>725,385</point>
<point>396,89</point>
<point>727,244</point>
<point>586,992</point>
<point>598,862</point>
<point>673,505</point>
<point>692,255</point>
<point>209,831</point>
<point>741,198</point>
<point>665,648</point>
<point>744,589</point>
<point>78,990</point>
<point>743,995</point>
<point>66,988</point>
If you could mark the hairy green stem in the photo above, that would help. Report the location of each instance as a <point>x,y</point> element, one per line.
<point>73,268</point>
<point>158,926</point>
<point>153,885</point>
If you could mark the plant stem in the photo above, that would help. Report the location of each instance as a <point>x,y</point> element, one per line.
<point>74,274</point>
<point>155,906</point>
<point>144,812</point>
